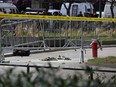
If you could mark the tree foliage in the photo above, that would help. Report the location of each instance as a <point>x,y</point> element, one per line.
<point>22,4</point>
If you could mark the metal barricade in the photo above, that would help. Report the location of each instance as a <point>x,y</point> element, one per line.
<point>53,33</point>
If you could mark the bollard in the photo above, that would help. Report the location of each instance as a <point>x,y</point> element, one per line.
<point>28,69</point>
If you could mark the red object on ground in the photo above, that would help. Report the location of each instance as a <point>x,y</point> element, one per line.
<point>94,49</point>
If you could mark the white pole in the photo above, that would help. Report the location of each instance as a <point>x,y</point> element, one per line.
<point>82,47</point>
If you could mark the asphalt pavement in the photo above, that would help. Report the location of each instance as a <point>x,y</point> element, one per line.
<point>74,55</point>
<point>75,62</point>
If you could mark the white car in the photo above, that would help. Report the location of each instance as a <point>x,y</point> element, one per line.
<point>8,8</point>
<point>107,10</point>
<point>54,11</point>
<point>85,7</point>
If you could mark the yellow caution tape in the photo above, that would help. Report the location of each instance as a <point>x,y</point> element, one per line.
<point>67,18</point>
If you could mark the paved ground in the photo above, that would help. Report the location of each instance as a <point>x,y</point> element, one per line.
<point>75,56</point>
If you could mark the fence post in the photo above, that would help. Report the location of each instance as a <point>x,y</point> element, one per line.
<point>82,47</point>
<point>1,56</point>
<point>28,69</point>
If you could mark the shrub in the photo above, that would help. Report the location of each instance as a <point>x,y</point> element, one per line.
<point>50,78</point>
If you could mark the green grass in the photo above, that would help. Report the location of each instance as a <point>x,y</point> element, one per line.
<point>107,38</point>
<point>75,34</point>
<point>105,60</point>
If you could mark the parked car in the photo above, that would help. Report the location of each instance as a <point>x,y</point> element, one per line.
<point>85,7</point>
<point>107,10</point>
<point>31,11</point>
<point>8,8</point>
<point>54,12</point>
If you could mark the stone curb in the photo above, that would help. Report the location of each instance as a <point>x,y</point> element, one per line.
<point>101,65</point>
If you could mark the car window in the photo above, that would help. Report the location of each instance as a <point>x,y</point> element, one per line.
<point>9,10</point>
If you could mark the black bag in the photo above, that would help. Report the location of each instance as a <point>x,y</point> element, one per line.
<point>19,52</point>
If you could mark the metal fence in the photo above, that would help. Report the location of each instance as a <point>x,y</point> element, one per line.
<point>53,33</point>
<point>93,73</point>
<point>34,34</point>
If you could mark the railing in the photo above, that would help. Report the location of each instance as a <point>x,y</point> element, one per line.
<point>29,66</point>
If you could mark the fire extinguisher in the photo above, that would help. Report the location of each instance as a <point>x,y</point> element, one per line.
<point>95,44</point>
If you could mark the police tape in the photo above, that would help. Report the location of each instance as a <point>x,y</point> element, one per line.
<point>67,18</point>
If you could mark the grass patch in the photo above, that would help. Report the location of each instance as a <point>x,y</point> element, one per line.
<point>108,42</point>
<point>105,60</point>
